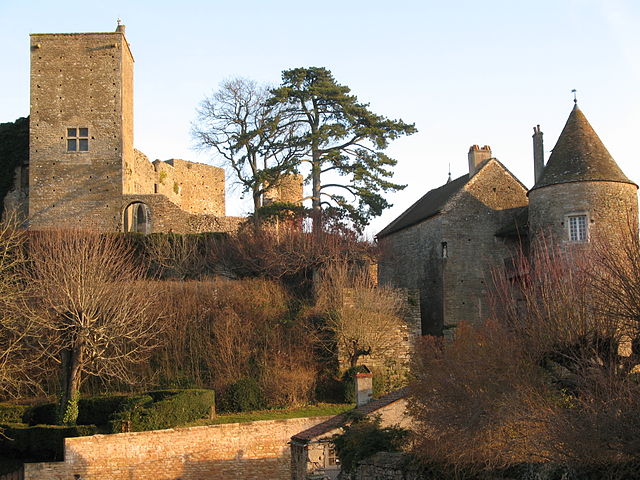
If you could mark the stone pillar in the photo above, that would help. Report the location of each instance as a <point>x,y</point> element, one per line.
<point>538,154</point>
<point>364,387</point>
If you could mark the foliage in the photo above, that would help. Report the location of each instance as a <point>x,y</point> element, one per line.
<point>12,413</point>
<point>41,414</point>
<point>244,395</point>
<point>341,136</point>
<point>363,438</point>
<point>43,443</point>
<point>249,135</point>
<point>14,151</point>
<point>169,409</point>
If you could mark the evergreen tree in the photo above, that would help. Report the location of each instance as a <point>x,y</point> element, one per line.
<point>342,136</point>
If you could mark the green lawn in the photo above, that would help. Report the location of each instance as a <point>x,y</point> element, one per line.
<point>319,410</point>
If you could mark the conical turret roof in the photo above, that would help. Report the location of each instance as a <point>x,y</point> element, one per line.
<point>580,156</point>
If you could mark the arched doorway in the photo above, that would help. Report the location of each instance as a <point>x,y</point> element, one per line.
<point>137,218</point>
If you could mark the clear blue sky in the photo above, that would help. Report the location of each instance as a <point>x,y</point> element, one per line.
<point>465,72</point>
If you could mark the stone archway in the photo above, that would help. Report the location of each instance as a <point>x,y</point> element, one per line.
<point>137,218</point>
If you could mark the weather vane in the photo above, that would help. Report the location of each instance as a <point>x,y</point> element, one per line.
<point>119,22</point>
<point>575,98</point>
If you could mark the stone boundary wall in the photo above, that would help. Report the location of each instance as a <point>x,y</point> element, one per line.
<point>251,450</point>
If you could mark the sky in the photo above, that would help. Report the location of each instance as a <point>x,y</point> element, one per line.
<point>465,71</point>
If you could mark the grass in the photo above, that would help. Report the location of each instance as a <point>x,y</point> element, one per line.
<point>319,410</point>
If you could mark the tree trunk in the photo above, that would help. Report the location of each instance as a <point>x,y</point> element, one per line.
<point>71,376</point>
<point>316,205</point>
<point>257,203</point>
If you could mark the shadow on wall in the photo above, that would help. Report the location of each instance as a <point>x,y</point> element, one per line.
<point>187,466</point>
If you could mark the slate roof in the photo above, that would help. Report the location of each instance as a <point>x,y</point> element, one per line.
<point>580,156</point>
<point>343,418</point>
<point>429,205</point>
<point>518,226</point>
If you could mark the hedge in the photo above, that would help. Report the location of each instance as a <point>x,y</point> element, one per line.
<point>42,414</point>
<point>42,443</point>
<point>11,413</point>
<point>172,408</point>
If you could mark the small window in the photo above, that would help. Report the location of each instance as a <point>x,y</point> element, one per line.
<point>578,228</point>
<point>78,139</point>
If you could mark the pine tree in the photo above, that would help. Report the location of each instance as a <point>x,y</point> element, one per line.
<point>343,137</point>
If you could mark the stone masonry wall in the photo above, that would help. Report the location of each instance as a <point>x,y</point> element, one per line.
<point>488,201</point>
<point>412,259</point>
<point>608,205</point>
<point>78,81</point>
<point>248,451</point>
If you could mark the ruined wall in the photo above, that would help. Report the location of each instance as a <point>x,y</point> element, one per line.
<point>252,450</point>
<point>79,81</point>
<point>140,175</point>
<point>470,220</point>
<point>608,205</point>
<point>288,190</point>
<point>166,216</point>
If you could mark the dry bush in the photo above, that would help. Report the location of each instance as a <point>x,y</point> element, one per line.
<point>478,401</point>
<point>222,331</point>
<point>174,255</point>
<point>362,318</point>
<point>544,380</point>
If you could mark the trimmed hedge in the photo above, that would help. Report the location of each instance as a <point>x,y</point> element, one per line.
<point>244,395</point>
<point>169,409</point>
<point>39,443</point>
<point>42,414</point>
<point>11,413</point>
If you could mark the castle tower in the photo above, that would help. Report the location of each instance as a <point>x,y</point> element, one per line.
<point>582,193</point>
<point>81,129</point>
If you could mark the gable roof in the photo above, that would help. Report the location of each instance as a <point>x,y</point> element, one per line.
<point>429,205</point>
<point>342,419</point>
<point>580,156</point>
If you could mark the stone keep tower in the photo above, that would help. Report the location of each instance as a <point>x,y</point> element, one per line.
<point>581,192</point>
<point>81,129</point>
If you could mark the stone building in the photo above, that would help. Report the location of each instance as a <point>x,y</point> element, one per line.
<point>448,242</point>
<point>83,170</point>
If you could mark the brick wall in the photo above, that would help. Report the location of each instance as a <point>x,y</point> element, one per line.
<point>252,450</point>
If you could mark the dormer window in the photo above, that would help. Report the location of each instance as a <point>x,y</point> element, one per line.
<point>578,228</point>
<point>77,139</point>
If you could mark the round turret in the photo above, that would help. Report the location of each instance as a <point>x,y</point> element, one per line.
<point>582,193</point>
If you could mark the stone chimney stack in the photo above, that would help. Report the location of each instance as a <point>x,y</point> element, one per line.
<point>120,28</point>
<point>477,156</point>
<point>364,386</point>
<point>538,154</point>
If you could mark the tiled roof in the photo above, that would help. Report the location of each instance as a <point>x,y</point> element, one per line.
<point>580,156</point>
<point>343,418</point>
<point>428,206</point>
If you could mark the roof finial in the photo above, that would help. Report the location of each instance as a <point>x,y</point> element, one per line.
<point>449,179</point>
<point>575,98</point>
<point>119,21</point>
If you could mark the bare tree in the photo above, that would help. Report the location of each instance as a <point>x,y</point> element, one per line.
<point>95,313</point>
<point>363,319</point>
<point>18,360</point>
<point>250,136</point>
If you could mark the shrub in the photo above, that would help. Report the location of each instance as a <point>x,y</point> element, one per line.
<point>170,408</point>
<point>243,396</point>
<point>363,438</point>
<point>99,410</point>
<point>39,443</point>
<point>12,413</point>
<point>42,414</point>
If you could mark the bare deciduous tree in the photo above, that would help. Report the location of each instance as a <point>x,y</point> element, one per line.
<point>95,314</point>
<point>250,136</point>
<point>363,319</point>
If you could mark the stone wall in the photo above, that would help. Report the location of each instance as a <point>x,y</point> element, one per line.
<point>167,217</point>
<point>79,81</point>
<point>252,450</point>
<point>453,281</point>
<point>288,190</point>
<point>470,221</point>
<point>609,207</point>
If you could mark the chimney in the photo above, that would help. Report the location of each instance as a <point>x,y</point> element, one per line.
<point>120,28</point>
<point>538,154</point>
<point>477,156</point>
<point>364,386</point>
